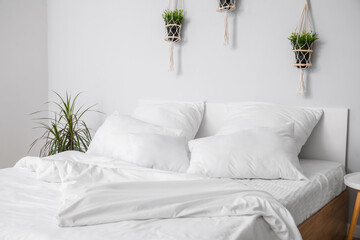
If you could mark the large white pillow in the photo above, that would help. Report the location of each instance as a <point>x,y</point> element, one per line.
<point>186,116</point>
<point>128,139</point>
<point>117,124</point>
<point>152,151</point>
<point>267,153</point>
<point>248,115</point>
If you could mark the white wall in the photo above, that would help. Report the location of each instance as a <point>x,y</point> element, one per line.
<point>114,50</point>
<point>23,74</point>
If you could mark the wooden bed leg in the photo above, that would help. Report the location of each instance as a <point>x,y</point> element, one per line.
<point>354,217</point>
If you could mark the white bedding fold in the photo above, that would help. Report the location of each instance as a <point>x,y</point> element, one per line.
<point>177,199</point>
<point>97,191</point>
<point>88,169</point>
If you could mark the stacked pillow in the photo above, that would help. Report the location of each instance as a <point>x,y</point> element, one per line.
<point>259,140</point>
<point>247,115</point>
<point>186,116</point>
<point>263,152</point>
<point>156,136</point>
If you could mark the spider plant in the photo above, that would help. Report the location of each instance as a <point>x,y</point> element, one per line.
<point>66,130</point>
<point>173,17</point>
<point>303,40</point>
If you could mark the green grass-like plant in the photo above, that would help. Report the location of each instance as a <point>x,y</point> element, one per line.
<point>65,130</point>
<point>173,17</point>
<point>303,40</point>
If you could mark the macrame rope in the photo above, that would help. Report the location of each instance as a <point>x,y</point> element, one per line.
<point>180,4</point>
<point>304,25</point>
<point>172,36</point>
<point>226,6</point>
<point>171,54</point>
<point>226,27</point>
<point>301,86</point>
<point>172,5</point>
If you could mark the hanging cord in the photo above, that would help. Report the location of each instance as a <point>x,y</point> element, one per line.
<point>226,27</point>
<point>173,5</point>
<point>304,25</point>
<point>301,86</point>
<point>171,54</point>
<point>180,4</point>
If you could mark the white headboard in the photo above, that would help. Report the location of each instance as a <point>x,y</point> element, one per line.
<point>327,142</point>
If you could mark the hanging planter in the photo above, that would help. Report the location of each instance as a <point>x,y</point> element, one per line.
<point>302,41</point>
<point>173,21</point>
<point>302,47</point>
<point>173,32</point>
<point>226,6</point>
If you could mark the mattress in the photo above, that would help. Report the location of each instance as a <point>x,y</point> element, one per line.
<point>304,198</point>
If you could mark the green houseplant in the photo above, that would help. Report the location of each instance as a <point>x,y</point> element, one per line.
<point>173,21</point>
<point>302,46</point>
<point>66,130</point>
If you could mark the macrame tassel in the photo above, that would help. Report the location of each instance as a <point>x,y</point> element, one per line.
<point>301,87</point>
<point>226,26</point>
<point>171,53</point>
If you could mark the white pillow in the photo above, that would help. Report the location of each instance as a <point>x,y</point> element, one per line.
<point>267,153</point>
<point>186,116</point>
<point>116,124</point>
<point>248,115</point>
<point>128,139</point>
<point>152,151</point>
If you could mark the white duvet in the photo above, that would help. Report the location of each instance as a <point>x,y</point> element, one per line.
<point>113,200</point>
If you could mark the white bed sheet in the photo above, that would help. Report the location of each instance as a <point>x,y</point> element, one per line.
<point>28,208</point>
<point>28,212</point>
<point>304,198</point>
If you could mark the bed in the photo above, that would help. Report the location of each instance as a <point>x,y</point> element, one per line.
<point>328,141</point>
<point>319,206</point>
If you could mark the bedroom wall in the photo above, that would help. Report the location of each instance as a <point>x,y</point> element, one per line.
<point>114,51</point>
<point>23,74</point>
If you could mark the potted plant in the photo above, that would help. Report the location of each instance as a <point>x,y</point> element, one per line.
<point>302,47</point>
<point>226,4</point>
<point>66,130</point>
<point>173,20</point>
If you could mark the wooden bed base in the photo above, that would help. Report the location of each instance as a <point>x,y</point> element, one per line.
<point>330,222</point>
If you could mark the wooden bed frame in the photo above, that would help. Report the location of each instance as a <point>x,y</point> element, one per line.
<point>330,222</point>
<point>328,141</point>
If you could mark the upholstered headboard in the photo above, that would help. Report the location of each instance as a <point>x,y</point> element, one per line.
<point>328,141</point>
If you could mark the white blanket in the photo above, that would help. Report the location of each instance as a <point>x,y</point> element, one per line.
<point>99,190</point>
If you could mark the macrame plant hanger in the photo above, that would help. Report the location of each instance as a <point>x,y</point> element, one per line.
<point>226,6</point>
<point>303,49</point>
<point>173,28</point>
